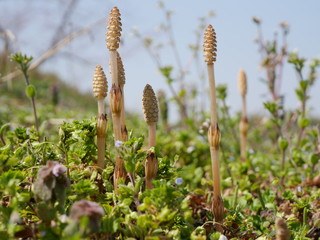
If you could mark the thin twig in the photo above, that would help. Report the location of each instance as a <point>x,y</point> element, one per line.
<point>53,50</point>
<point>26,77</point>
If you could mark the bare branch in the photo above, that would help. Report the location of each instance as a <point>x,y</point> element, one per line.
<point>65,18</point>
<point>53,50</point>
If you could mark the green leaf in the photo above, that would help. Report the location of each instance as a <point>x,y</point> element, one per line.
<point>221,91</point>
<point>22,60</point>
<point>182,93</point>
<point>299,94</point>
<point>166,214</point>
<point>166,72</point>
<point>283,143</point>
<point>129,165</point>
<point>304,84</point>
<point>303,122</point>
<point>271,107</point>
<point>30,91</point>
<point>314,158</point>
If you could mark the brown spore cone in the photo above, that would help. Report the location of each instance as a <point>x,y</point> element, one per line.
<point>100,84</point>
<point>210,45</point>
<point>114,29</point>
<point>150,105</point>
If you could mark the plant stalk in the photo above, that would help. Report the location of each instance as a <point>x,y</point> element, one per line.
<point>152,134</point>
<point>116,107</point>
<point>116,126</point>
<point>213,103</point>
<point>151,167</point>
<point>35,114</point>
<point>114,67</point>
<point>123,128</point>
<point>26,77</point>
<point>243,137</point>
<point>101,109</point>
<point>283,165</point>
<point>152,161</point>
<point>215,171</point>
<point>102,126</point>
<point>101,142</point>
<point>214,140</point>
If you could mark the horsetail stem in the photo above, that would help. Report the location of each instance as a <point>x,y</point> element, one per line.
<point>115,100</point>
<point>102,126</point>
<point>151,116</point>
<point>210,48</point>
<point>243,126</point>
<point>122,81</point>
<point>116,109</point>
<point>113,41</point>
<point>100,91</point>
<point>282,231</point>
<point>100,88</point>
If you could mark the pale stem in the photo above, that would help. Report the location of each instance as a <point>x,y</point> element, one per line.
<point>116,126</point>
<point>123,115</point>
<point>215,171</point>
<point>243,137</point>
<point>101,142</point>
<point>244,106</point>
<point>212,94</point>
<point>243,143</point>
<point>114,67</point>
<point>152,134</point>
<point>101,109</point>
<point>35,115</point>
<point>116,119</point>
<point>149,183</point>
<point>119,171</point>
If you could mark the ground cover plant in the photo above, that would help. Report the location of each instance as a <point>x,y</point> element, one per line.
<point>211,176</point>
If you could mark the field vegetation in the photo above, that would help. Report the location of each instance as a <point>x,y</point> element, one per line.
<point>79,166</point>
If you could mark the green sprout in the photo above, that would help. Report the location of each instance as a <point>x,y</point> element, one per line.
<point>23,62</point>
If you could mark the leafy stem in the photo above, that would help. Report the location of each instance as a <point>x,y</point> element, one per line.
<point>303,88</point>
<point>23,62</point>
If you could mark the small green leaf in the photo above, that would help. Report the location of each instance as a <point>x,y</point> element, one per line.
<point>182,93</point>
<point>271,107</point>
<point>222,91</point>
<point>283,143</point>
<point>314,158</point>
<point>303,122</point>
<point>299,94</point>
<point>30,91</point>
<point>304,84</point>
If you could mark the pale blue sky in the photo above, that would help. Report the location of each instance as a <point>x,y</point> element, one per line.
<point>34,21</point>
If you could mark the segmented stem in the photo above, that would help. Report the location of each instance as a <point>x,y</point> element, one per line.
<point>210,49</point>
<point>102,126</point>
<point>151,116</point>
<point>243,126</point>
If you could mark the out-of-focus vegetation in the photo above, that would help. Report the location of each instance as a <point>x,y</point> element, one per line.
<point>54,98</point>
<point>51,187</point>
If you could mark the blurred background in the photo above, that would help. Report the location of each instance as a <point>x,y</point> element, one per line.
<point>161,45</point>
